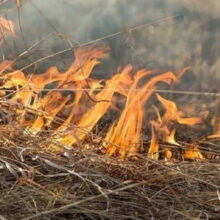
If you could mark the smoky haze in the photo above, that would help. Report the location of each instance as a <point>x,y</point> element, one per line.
<point>188,39</point>
<point>83,20</point>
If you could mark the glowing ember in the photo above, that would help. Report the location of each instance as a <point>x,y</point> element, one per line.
<point>193,154</point>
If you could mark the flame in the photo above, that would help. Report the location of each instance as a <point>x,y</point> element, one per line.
<point>6,28</point>
<point>92,116</point>
<point>81,101</point>
<point>14,79</point>
<point>154,145</point>
<point>193,154</point>
<point>129,125</point>
<point>5,65</point>
<point>172,113</point>
<point>171,138</point>
<point>37,125</point>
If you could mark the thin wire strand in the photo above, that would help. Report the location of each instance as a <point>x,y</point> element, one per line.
<point>151,90</point>
<point>101,39</point>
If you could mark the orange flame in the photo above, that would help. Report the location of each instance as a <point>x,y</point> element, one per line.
<point>93,115</point>
<point>129,125</point>
<point>87,101</point>
<point>154,145</point>
<point>6,28</point>
<point>193,154</point>
<point>172,113</point>
<point>171,138</point>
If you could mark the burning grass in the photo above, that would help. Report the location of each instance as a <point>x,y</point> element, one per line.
<point>52,168</point>
<point>54,165</point>
<point>75,100</point>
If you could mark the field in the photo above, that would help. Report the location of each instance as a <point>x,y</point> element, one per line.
<point>89,174</point>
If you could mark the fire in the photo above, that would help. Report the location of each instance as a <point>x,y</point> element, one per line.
<point>172,114</point>
<point>81,101</point>
<point>154,145</point>
<point>129,125</point>
<point>171,138</point>
<point>193,154</point>
<point>93,115</point>
<point>6,28</point>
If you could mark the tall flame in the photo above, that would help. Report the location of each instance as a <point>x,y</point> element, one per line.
<point>93,115</point>
<point>129,125</point>
<point>82,101</point>
<point>153,151</point>
<point>173,114</point>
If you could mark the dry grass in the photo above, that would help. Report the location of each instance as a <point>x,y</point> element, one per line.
<point>36,183</point>
<point>80,184</point>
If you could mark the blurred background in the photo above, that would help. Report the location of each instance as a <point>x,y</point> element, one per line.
<point>177,34</point>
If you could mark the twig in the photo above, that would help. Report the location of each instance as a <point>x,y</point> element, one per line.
<point>100,39</point>
<point>55,210</point>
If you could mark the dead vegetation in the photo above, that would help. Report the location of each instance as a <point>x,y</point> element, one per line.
<point>80,184</point>
<point>41,178</point>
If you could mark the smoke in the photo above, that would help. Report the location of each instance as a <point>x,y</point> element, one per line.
<point>81,21</point>
<point>189,39</point>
